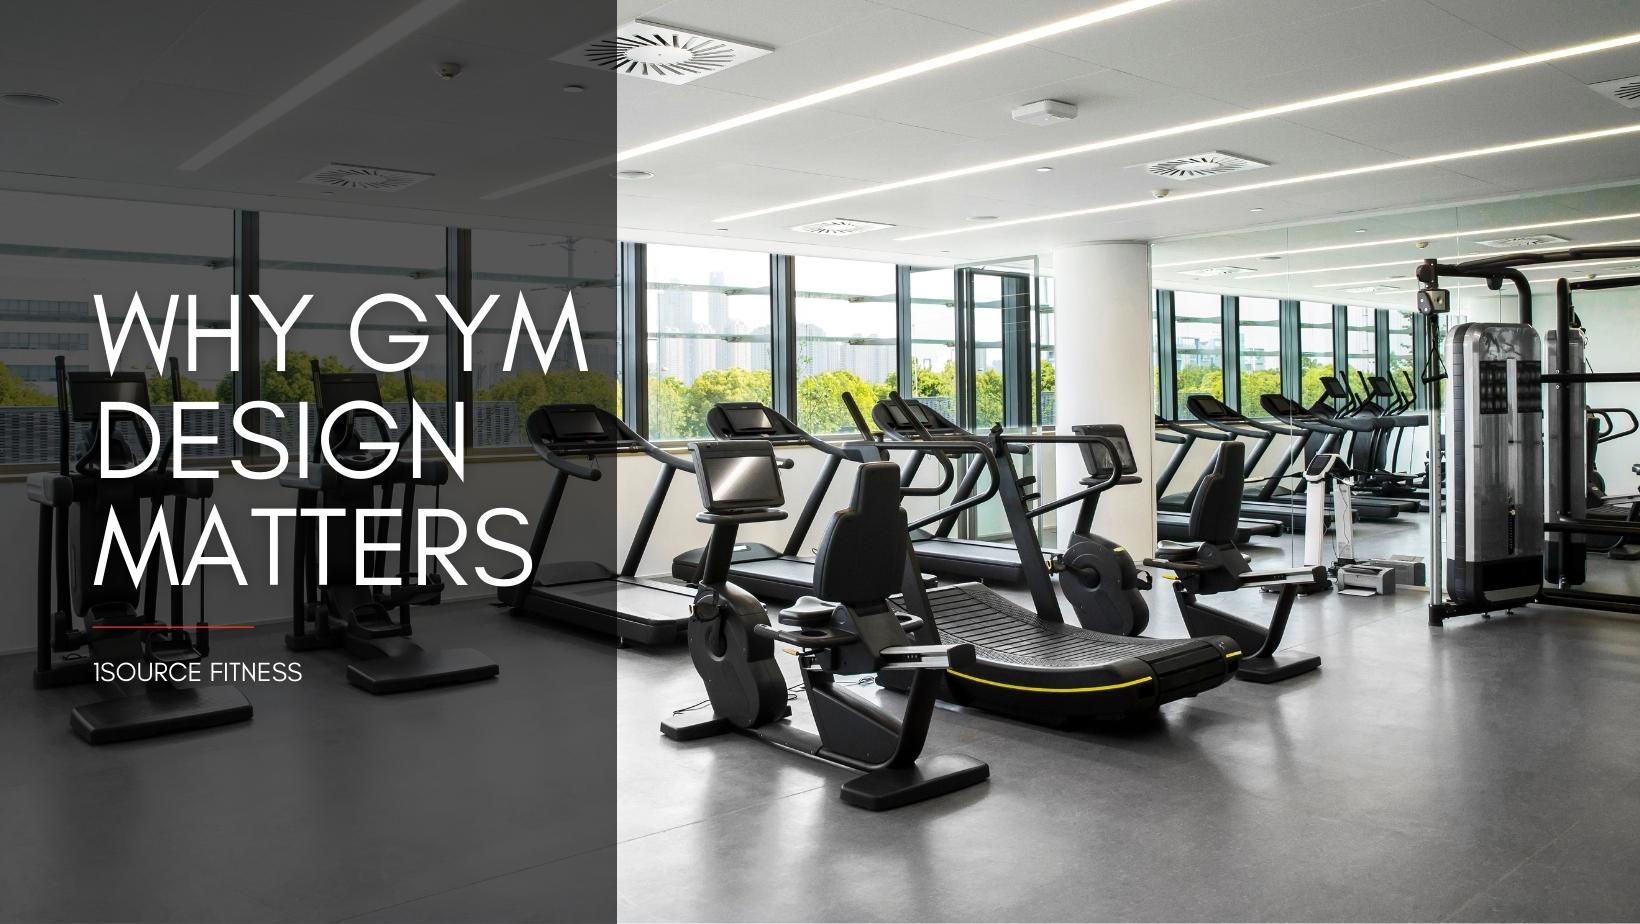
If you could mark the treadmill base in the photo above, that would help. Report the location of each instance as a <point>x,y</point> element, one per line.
<point>1282,665</point>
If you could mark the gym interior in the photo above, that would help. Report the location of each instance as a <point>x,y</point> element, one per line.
<point>745,402</point>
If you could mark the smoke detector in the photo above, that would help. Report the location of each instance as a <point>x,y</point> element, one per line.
<point>358,176</point>
<point>1196,166</point>
<point>1207,271</point>
<point>1625,90</point>
<point>1045,112</point>
<point>656,52</point>
<point>1525,240</point>
<point>1370,290</point>
<point>834,227</point>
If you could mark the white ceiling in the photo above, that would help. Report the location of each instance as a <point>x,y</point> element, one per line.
<point>155,82</point>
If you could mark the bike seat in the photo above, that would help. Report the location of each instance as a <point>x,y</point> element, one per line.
<point>808,612</point>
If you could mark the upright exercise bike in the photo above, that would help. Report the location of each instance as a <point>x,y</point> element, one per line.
<point>114,623</point>
<point>847,629</point>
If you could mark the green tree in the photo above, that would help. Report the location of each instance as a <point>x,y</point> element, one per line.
<point>1257,382</point>
<point>159,391</point>
<point>294,384</point>
<point>427,390</point>
<point>1199,380</point>
<point>530,390</point>
<point>820,406</point>
<point>715,386</point>
<point>987,399</point>
<point>1311,390</point>
<point>667,398</point>
<point>16,392</point>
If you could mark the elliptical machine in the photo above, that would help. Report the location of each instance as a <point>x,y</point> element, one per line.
<point>76,504</point>
<point>848,629</point>
<point>339,613</point>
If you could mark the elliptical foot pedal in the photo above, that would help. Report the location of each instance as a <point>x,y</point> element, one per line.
<point>419,669</point>
<point>159,711</point>
<point>892,787</point>
<point>1280,666</point>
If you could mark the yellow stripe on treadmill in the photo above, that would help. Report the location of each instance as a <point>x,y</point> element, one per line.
<point>1232,654</point>
<point>1012,686</point>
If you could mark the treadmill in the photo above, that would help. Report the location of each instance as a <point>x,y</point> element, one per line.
<point>1173,511</point>
<point>769,573</point>
<point>646,610</point>
<point>909,420</point>
<point>1267,497</point>
<point>1029,662</point>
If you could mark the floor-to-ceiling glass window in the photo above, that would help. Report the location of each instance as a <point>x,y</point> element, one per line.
<point>1259,347</point>
<point>1315,348</point>
<point>709,334</point>
<point>845,338</point>
<point>1361,337</point>
<point>1198,344</point>
<point>934,338</point>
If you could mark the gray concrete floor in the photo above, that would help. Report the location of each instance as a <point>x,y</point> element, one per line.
<point>1487,770</point>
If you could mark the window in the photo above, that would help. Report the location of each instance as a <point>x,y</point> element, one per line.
<point>1198,338</point>
<point>342,263</point>
<point>1315,348</point>
<point>709,335</point>
<point>1046,337</point>
<point>62,251</point>
<point>1259,342</point>
<point>988,352</point>
<point>1400,353</point>
<point>934,339</point>
<point>544,269</point>
<point>846,321</point>
<point>1155,360</point>
<point>1362,340</point>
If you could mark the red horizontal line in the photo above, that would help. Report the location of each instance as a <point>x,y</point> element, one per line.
<point>181,628</point>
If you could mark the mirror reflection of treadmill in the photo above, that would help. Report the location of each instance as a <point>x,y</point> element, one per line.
<point>648,609</point>
<point>1268,498</point>
<point>1173,510</point>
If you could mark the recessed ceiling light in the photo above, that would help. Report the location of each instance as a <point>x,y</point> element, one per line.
<point>1360,230</point>
<point>363,51</point>
<point>1255,209</point>
<point>1237,118</point>
<point>722,229</point>
<point>1552,141</point>
<point>1044,170</point>
<point>634,175</point>
<point>982,218</point>
<point>574,88</point>
<point>28,99</point>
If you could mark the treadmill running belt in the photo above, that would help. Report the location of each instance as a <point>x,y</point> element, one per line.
<point>1049,670</point>
<point>639,612</point>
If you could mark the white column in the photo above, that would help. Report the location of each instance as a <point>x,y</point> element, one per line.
<point>1102,375</point>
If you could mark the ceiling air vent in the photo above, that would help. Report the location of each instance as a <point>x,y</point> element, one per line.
<point>1625,90</point>
<point>833,227</point>
<point>1525,240</point>
<point>663,53</point>
<point>1370,290</point>
<point>1216,271</point>
<point>1196,166</point>
<point>358,176</point>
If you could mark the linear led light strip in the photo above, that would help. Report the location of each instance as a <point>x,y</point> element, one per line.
<point>1326,248</point>
<point>1083,20</point>
<point>1552,141</point>
<point>310,86</point>
<point>1218,122</point>
<point>1374,282</point>
<point>1405,262</point>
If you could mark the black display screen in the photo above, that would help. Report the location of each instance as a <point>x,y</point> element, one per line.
<point>1097,455</point>
<point>748,421</point>
<point>90,392</point>
<point>576,425</point>
<point>740,482</point>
